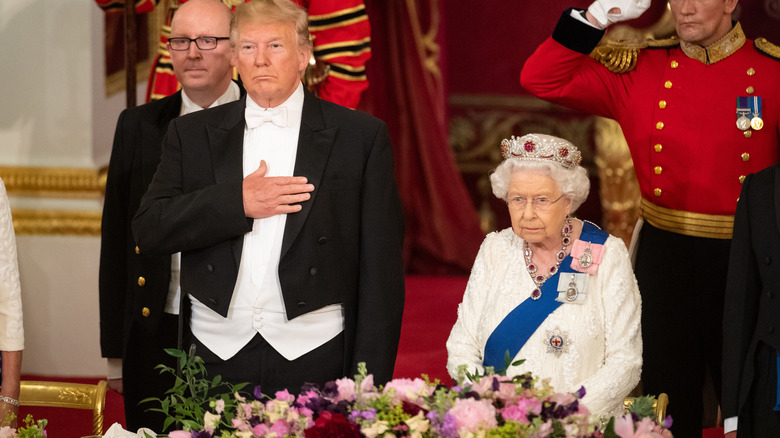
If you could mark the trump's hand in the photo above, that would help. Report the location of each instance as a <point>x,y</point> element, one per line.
<point>606,12</point>
<point>266,196</point>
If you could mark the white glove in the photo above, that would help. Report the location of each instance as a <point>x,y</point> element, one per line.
<point>628,10</point>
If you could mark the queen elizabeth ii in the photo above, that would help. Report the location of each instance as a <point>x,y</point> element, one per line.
<point>553,290</point>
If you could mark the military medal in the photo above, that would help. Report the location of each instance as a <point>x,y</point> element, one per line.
<point>743,111</point>
<point>756,122</point>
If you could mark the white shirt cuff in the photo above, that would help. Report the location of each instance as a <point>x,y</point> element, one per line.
<point>730,424</point>
<point>114,368</point>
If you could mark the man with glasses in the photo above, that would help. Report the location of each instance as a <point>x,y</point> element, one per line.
<point>139,294</point>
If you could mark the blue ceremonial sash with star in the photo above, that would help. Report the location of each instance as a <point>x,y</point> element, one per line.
<point>518,326</point>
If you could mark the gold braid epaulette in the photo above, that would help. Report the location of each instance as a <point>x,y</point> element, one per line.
<point>619,56</point>
<point>767,48</point>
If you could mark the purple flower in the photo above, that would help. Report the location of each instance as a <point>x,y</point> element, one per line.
<point>581,392</point>
<point>330,390</point>
<point>201,434</point>
<point>668,421</point>
<point>258,393</point>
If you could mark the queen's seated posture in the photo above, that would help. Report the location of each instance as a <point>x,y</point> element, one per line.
<point>555,291</point>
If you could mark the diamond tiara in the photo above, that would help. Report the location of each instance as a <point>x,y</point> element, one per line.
<point>540,147</point>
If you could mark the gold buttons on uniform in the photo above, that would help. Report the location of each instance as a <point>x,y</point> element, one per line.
<point>751,71</point>
<point>657,170</point>
<point>141,281</point>
<point>668,84</point>
<point>747,133</point>
<point>741,179</point>
<point>659,126</point>
<point>137,250</point>
<point>657,192</point>
<point>745,156</point>
<point>662,104</point>
<point>658,148</point>
<point>145,312</point>
<point>750,90</point>
<point>675,64</point>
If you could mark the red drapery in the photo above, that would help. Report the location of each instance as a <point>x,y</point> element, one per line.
<point>407,91</point>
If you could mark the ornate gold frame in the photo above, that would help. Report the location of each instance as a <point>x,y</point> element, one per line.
<point>55,182</point>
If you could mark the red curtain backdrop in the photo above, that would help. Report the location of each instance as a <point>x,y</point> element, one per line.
<point>407,91</point>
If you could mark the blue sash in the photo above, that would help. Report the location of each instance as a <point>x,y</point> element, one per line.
<point>518,326</point>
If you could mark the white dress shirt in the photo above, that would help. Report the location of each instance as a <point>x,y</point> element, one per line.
<point>257,304</point>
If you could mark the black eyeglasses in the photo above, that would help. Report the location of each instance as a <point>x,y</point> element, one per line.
<point>181,44</point>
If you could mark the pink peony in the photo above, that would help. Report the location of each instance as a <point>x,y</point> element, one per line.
<point>473,415</point>
<point>281,427</point>
<point>519,412</point>
<point>239,424</point>
<point>285,396</point>
<point>408,390</point>
<point>179,434</point>
<point>260,430</point>
<point>346,389</point>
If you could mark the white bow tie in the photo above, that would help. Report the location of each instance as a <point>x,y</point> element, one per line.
<point>256,117</point>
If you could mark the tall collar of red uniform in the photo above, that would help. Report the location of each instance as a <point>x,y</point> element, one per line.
<point>719,50</point>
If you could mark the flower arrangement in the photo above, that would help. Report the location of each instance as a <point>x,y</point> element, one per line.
<point>490,406</point>
<point>30,429</point>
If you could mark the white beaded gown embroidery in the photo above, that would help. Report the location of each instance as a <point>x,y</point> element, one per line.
<point>605,349</point>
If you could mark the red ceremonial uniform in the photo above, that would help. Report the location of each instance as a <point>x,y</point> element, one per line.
<point>678,108</point>
<point>678,115</point>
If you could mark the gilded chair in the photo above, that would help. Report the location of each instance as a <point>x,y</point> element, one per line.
<point>661,402</point>
<point>67,395</point>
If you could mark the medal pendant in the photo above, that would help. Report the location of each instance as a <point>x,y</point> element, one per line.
<point>743,123</point>
<point>572,293</point>
<point>757,123</point>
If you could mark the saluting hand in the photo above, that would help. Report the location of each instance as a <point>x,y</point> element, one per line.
<point>606,12</point>
<point>268,196</point>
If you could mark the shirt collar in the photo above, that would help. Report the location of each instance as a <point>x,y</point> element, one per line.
<point>294,105</point>
<point>188,106</point>
<point>719,50</point>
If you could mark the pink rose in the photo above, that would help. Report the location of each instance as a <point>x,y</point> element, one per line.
<point>473,415</point>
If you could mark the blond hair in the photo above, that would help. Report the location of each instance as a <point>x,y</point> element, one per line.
<point>272,11</point>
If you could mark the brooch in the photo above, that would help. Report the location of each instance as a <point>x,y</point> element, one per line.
<point>557,341</point>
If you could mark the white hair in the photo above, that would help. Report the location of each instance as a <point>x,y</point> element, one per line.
<point>574,182</point>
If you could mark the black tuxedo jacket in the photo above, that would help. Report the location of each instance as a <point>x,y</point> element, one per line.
<point>123,295</point>
<point>752,303</point>
<point>344,247</point>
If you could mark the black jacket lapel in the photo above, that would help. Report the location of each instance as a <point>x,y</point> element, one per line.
<point>314,145</point>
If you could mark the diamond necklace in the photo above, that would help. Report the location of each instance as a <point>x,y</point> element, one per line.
<point>539,279</point>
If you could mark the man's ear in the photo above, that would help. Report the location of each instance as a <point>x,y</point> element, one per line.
<point>730,5</point>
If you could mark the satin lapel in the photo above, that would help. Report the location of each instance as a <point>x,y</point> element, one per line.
<point>776,196</point>
<point>315,142</point>
<point>226,145</point>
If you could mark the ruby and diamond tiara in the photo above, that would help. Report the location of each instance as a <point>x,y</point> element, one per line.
<point>540,147</point>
